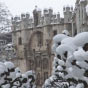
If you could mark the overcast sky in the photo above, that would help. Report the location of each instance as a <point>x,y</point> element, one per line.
<point>17,7</point>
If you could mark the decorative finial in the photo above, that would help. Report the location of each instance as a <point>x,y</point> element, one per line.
<point>36,7</point>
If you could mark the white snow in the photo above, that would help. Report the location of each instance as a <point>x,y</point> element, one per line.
<point>81,85</point>
<point>81,39</point>
<point>59,68</point>
<point>68,40</point>
<point>58,38</point>
<point>61,63</point>
<point>65,32</point>
<point>9,65</point>
<point>70,61</point>
<point>11,77</point>
<point>63,48</point>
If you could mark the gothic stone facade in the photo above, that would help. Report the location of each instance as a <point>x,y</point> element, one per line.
<point>32,40</point>
<point>81,16</point>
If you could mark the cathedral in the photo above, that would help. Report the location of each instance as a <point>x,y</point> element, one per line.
<point>32,39</point>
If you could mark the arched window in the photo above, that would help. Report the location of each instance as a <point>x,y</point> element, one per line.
<point>45,75</point>
<point>54,32</point>
<point>38,79</point>
<point>38,61</point>
<point>31,64</point>
<point>20,41</point>
<point>45,63</point>
<point>40,38</point>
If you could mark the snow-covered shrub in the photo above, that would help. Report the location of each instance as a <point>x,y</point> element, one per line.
<point>65,32</point>
<point>70,65</point>
<point>11,77</point>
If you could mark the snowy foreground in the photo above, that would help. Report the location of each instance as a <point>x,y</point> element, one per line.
<point>70,65</point>
<point>11,77</point>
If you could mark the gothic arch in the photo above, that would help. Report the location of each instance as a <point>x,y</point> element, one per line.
<point>45,63</point>
<point>36,36</point>
<point>38,61</point>
<point>38,79</point>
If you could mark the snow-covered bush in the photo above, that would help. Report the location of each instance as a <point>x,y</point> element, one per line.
<point>11,77</point>
<point>70,65</point>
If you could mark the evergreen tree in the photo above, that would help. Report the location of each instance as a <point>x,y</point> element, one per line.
<point>70,65</point>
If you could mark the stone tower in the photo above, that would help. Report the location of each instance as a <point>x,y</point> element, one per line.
<point>81,16</point>
<point>47,16</point>
<point>58,17</point>
<point>35,15</point>
<point>67,14</point>
<point>39,16</point>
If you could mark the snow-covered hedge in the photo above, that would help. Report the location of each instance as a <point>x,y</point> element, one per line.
<point>11,77</point>
<point>70,65</point>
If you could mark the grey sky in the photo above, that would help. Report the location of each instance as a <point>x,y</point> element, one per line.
<point>17,7</point>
